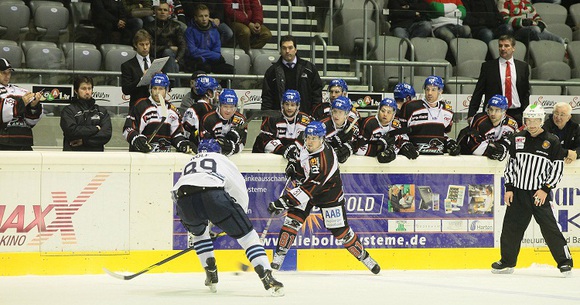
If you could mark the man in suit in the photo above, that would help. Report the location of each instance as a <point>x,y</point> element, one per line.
<point>495,74</point>
<point>133,69</point>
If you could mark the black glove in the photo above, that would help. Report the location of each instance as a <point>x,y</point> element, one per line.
<point>343,152</point>
<point>386,140</point>
<point>186,147</point>
<point>278,207</point>
<point>345,136</point>
<point>233,135</point>
<point>291,153</point>
<point>453,148</point>
<point>409,150</point>
<point>387,155</point>
<point>496,151</point>
<point>228,147</point>
<point>542,26</point>
<point>291,171</point>
<point>527,22</point>
<point>140,143</point>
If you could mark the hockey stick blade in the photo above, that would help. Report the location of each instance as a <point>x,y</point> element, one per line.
<point>134,275</point>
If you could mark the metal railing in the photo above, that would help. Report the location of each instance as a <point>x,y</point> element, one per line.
<point>446,66</point>
<point>324,52</point>
<point>289,3</point>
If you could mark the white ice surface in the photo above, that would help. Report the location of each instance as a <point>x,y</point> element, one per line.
<point>536,285</point>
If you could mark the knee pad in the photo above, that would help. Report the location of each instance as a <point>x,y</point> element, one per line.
<point>196,230</point>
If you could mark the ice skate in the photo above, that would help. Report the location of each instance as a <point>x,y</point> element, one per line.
<point>566,270</point>
<point>211,275</point>
<point>278,259</point>
<point>501,268</point>
<point>370,263</point>
<point>270,283</point>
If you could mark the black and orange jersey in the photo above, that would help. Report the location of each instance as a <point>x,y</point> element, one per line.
<point>276,133</point>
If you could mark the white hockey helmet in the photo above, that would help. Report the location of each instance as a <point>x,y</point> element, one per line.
<point>534,111</point>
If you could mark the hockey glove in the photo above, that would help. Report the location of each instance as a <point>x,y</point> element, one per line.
<point>343,152</point>
<point>233,135</point>
<point>140,144</point>
<point>496,151</point>
<point>386,140</point>
<point>278,207</point>
<point>291,171</point>
<point>291,153</point>
<point>186,147</point>
<point>345,136</point>
<point>228,147</point>
<point>453,148</point>
<point>409,150</point>
<point>387,155</point>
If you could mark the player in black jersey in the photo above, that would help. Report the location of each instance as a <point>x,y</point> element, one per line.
<point>488,131</point>
<point>321,186</point>
<point>226,124</point>
<point>336,88</point>
<point>534,168</point>
<point>208,89</point>
<point>342,133</point>
<point>278,134</point>
<point>403,92</point>
<point>382,136</point>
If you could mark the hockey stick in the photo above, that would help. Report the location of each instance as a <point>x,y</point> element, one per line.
<point>269,222</point>
<point>163,118</point>
<point>172,257</point>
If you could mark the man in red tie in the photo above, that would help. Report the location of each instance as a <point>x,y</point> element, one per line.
<point>505,76</point>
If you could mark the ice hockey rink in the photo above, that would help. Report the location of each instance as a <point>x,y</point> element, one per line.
<point>538,284</point>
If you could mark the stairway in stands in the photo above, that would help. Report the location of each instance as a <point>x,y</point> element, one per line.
<point>304,28</point>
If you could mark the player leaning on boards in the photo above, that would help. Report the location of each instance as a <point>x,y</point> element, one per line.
<point>534,168</point>
<point>319,184</point>
<point>211,188</point>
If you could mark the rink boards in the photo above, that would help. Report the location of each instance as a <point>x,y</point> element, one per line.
<point>73,213</point>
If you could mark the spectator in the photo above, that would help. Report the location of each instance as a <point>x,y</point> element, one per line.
<point>409,18</point>
<point>168,39</point>
<point>114,21</point>
<point>291,72</point>
<point>226,124</point>
<point>247,22</point>
<point>382,137</point>
<point>190,97</point>
<point>146,129</point>
<point>208,89</point>
<point>21,110</point>
<point>431,119</point>
<point>487,133</point>
<point>278,134</point>
<point>524,23</point>
<point>142,10</point>
<point>85,125</point>
<point>217,16</point>
<point>447,19</point>
<point>561,124</point>
<point>204,45</point>
<point>133,69</point>
<point>341,134</point>
<point>484,20</point>
<point>494,78</point>
<point>403,92</point>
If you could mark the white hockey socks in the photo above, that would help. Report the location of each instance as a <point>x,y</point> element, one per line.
<point>254,249</point>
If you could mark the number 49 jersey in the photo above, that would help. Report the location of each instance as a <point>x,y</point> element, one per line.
<point>215,170</point>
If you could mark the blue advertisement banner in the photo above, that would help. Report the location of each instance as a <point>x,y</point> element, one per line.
<point>385,210</point>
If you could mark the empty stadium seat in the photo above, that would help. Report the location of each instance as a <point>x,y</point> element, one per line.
<point>469,54</point>
<point>14,19</point>
<point>51,22</point>
<point>83,59</point>
<point>83,28</point>
<point>67,46</point>
<point>574,56</point>
<point>551,13</point>
<point>240,60</point>
<point>106,47</point>
<point>429,49</point>
<point>26,45</point>
<point>562,30</point>
<point>34,5</point>
<point>114,58</point>
<point>12,52</point>
<point>387,50</point>
<point>262,62</point>
<point>519,53</point>
<point>575,15</point>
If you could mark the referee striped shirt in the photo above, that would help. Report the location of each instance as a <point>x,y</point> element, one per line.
<point>535,162</point>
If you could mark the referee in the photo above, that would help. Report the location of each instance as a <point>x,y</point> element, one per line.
<point>535,166</point>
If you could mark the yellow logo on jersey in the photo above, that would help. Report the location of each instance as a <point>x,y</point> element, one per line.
<point>314,162</point>
<point>236,120</point>
<point>448,107</point>
<point>512,123</point>
<point>305,120</point>
<point>396,123</point>
<point>546,145</point>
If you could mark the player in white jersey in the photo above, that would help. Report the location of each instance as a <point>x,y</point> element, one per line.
<point>211,188</point>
